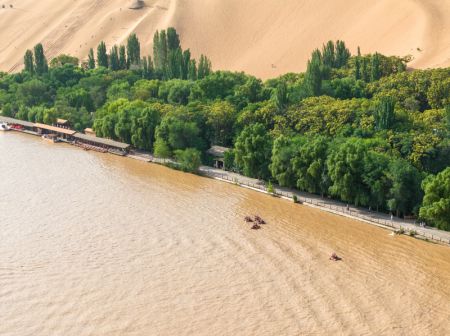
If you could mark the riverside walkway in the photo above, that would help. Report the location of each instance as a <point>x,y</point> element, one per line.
<point>330,205</point>
<point>326,204</point>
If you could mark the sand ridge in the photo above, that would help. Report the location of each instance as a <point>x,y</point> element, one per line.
<point>265,37</point>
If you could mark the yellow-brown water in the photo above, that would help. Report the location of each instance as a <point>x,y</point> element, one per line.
<point>93,244</point>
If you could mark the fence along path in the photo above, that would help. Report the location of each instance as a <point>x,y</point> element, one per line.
<point>332,205</point>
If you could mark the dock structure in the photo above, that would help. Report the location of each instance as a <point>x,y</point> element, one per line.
<point>109,145</point>
<point>63,133</point>
<point>16,122</point>
<point>85,141</point>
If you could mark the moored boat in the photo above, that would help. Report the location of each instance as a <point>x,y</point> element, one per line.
<point>53,138</point>
<point>4,126</point>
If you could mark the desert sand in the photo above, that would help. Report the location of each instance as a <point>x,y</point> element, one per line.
<point>263,37</point>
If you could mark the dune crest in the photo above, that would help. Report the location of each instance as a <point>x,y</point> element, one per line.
<point>261,37</point>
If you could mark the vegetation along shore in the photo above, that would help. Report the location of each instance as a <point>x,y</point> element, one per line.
<point>363,129</point>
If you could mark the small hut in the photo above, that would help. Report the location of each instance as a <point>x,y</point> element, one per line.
<point>63,123</point>
<point>90,132</point>
<point>218,154</point>
<point>136,4</point>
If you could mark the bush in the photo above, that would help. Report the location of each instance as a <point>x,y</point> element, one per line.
<point>270,188</point>
<point>295,198</point>
<point>189,159</point>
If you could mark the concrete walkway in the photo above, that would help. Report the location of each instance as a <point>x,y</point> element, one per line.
<point>331,205</point>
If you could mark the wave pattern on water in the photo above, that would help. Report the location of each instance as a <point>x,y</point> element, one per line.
<point>92,244</point>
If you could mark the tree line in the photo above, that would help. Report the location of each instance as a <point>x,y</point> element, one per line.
<point>358,128</point>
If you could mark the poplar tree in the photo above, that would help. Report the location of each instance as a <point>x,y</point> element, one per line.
<point>281,96</point>
<point>357,68</point>
<point>173,39</point>
<point>313,75</point>
<point>204,67</point>
<point>91,59</point>
<point>156,48</point>
<point>28,62</point>
<point>162,51</point>
<point>342,54</point>
<point>174,64</point>
<point>384,113</point>
<point>192,75</point>
<point>133,49</point>
<point>364,70</point>
<point>375,73</point>
<point>41,65</point>
<point>114,63</point>
<point>122,58</point>
<point>328,55</point>
<point>185,61</point>
<point>102,57</point>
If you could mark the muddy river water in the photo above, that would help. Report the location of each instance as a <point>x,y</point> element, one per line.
<point>94,244</point>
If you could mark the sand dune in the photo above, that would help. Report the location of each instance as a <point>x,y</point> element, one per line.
<point>263,37</point>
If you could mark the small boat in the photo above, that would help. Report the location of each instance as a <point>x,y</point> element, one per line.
<point>248,219</point>
<point>4,126</point>
<point>259,220</point>
<point>335,257</point>
<point>53,138</point>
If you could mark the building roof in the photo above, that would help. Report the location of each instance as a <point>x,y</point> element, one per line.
<point>103,141</point>
<point>16,121</point>
<point>218,151</point>
<point>55,129</point>
<point>61,121</point>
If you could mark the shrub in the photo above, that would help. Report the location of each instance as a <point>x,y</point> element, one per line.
<point>189,159</point>
<point>270,188</point>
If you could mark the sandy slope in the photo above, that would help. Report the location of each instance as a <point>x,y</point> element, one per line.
<point>263,37</point>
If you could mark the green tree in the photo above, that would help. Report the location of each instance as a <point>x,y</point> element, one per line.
<point>40,65</point>
<point>102,57</point>
<point>114,63</point>
<point>346,166</point>
<point>189,159</point>
<point>313,75</point>
<point>384,113</point>
<point>342,54</point>
<point>220,117</point>
<point>173,39</point>
<point>310,165</point>
<point>405,192</point>
<point>375,73</point>
<point>185,65</point>
<point>281,97</point>
<point>204,67</point>
<point>63,59</point>
<point>28,61</point>
<point>161,149</point>
<point>436,202</point>
<point>122,58</point>
<point>133,50</point>
<point>91,59</point>
<point>281,168</point>
<point>253,150</point>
